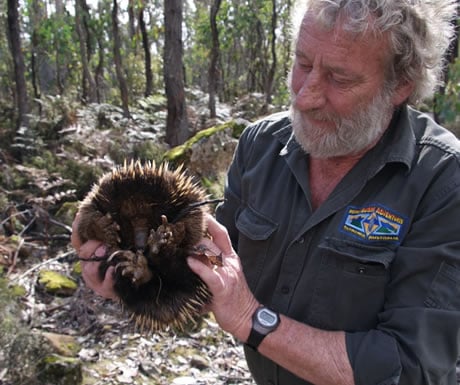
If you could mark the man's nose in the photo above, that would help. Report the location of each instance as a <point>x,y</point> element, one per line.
<point>311,94</point>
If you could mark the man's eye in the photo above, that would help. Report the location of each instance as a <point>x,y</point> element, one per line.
<point>304,67</point>
<point>341,81</point>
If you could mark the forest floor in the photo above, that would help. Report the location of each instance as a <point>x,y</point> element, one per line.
<point>34,237</point>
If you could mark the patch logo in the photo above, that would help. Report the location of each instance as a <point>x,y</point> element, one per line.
<point>373,223</point>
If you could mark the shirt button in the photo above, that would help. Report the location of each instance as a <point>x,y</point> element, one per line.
<point>285,290</point>
<point>361,270</point>
<point>301,240</point>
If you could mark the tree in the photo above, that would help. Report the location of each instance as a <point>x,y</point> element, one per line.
<point>118,62</point>
<point>147,56</point>
<point>215,54</point>
<point>18,60</point>
<point>270,79</point>
<point>177,131</point>
<point>81,24</point>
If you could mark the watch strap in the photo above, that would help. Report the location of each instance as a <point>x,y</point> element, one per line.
<point>254,339</point>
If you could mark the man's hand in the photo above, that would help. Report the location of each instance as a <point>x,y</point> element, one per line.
<point>90,270</point>
<point>233,303</point>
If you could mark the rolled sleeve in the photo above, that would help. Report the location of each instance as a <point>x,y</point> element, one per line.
<point>374,358</point>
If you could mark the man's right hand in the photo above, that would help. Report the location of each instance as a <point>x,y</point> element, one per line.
<point>90,270</point>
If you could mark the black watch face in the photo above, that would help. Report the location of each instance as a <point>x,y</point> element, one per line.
<point>267,318</point>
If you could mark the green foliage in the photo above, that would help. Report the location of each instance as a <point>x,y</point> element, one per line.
<point>148,150</point>
<point>448,104</point>
<point>244,39</point>
<point>215,187</point>
<point>57,41</point>
<point>82,175</point>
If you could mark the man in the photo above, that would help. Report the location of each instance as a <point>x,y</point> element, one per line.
<point>344,213</point>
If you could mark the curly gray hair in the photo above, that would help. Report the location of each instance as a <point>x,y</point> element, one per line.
<point>419,33</point>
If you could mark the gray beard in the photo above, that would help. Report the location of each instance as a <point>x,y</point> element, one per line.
<point>351,135</point>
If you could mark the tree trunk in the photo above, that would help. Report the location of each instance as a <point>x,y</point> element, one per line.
<point>88,84</point>
<point>215,54</point>
<point>37,16</point>
<point>18,61</point>
<point>118,62</point>
<point>147,56</point>
<point>177,131</point>
<point>99,76</point>
<point>131,20</point>
<point>271,73</point>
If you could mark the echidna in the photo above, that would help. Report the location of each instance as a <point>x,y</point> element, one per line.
<point>150,218</point>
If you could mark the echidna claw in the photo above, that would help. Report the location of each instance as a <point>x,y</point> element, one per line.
<point>203,253</point>
<point>133,265</point>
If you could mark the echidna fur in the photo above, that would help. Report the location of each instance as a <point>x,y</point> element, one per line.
<point>121,210</point>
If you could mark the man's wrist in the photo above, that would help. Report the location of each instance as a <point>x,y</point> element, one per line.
<point>244,329</point>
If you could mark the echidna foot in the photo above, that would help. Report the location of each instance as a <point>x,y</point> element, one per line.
<point>110,230</point>
<point>167,235</point>
<point>133,266</point>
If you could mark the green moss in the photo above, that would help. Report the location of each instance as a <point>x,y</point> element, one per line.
<point>56,283</point>
<point>18,291</point>
<point>177,153</point>
<point>55,369</point>
<point>76,269</point>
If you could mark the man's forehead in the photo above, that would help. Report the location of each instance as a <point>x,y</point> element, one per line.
<point>339,36</point>
<point>340,51</point>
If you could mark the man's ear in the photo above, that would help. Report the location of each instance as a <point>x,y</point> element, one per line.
<point>402,92</point>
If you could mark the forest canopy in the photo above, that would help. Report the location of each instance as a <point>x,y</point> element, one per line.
<point>116,52</point>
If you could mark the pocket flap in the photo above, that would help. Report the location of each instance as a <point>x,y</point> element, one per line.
<point>359,251</point>
<point>254,225</point>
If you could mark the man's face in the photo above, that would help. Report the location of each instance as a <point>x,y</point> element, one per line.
<point>339,103</point>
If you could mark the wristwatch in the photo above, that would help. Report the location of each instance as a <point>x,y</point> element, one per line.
<point>264,321</point>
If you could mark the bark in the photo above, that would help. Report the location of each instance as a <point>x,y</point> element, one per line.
<point>89,94</point>
<point>36,17</point>
<point>18,61</point>
<point>177,131</point>
<point>118,62</point>
<point>271,73</point>
<point>99,78</point>
<point>147,56</point>
<point>215,54</point>
<point>131,19</point>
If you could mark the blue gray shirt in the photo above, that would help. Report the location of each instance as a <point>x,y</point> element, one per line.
<point>379,259</point>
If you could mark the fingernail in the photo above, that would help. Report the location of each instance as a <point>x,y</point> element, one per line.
<point>100,251</point>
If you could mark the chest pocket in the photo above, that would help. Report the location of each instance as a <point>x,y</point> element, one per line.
<point>349,289</point>
<point>253,242</point>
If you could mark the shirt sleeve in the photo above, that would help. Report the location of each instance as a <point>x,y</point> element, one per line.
<point>417,337</point>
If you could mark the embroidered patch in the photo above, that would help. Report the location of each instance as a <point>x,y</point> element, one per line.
<point>373,223</point>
